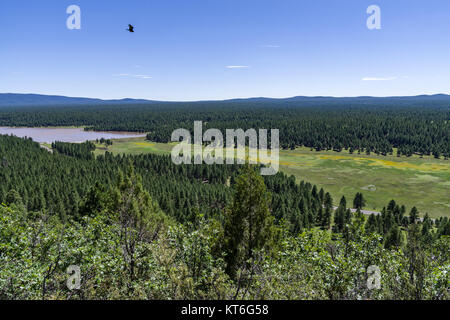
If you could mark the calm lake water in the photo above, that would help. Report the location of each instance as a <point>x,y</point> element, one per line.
<point>76,135</point>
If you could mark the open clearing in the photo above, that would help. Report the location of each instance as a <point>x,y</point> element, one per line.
<point>421,182</point>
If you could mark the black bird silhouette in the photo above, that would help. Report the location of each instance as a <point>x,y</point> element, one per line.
<point>130,28</point>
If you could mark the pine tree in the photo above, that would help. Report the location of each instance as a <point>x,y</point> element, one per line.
<point>427,236</point>
<point>343,202</point>
<point>394,238</point>
<point>139,217</point>
<point>328,204</point>
<point>248,222</point>
<point>359,202</point>
<point>13,197</point>
<point>416,261</point>
<point>326,222</point>
<point>371,224</point>
<point>95,201</point>
<point>340,216</point>
<point>413,215</point>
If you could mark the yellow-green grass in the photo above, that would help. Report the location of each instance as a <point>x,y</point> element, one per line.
<point>134,146</point>
<point>421,182</point>
<point>424,183</point>
<point>45,144</point>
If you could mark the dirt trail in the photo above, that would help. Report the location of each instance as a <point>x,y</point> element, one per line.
<point>368,212</point>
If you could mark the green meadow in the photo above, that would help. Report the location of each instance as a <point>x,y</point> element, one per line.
<point>421,182</point>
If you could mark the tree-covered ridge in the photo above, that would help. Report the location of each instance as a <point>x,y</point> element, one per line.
<point>127,248</point>
<point>57,182</point>
<point>365,125</point>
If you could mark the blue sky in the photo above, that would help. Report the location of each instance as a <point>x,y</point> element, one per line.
<point>186,49</point>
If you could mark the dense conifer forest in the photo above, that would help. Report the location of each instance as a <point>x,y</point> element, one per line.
<point>57,182</point>
<point>369,125</point>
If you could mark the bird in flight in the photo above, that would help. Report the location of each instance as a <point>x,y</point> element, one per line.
<point>130,28</point>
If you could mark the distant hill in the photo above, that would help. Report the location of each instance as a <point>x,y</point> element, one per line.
<point>435,97</point>
<point>16,100</point>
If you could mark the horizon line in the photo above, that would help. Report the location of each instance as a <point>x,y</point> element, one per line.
<point>229,99</point>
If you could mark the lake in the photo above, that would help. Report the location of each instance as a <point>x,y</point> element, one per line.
<point>74,135</point>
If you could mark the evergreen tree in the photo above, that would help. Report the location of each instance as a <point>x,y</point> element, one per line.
<point>371,224</point>
<point>416,261</point>
<point>248,222</point>
<point>139,217</point>
<point>95,201</point>
<point>343,202</point>
<point>13,197</point>
<point>340,216</point>
<point>413,215</point>
<point>328,204</point>
<point>394,238</point>
<point>427,237</point>
<point>359,202</point>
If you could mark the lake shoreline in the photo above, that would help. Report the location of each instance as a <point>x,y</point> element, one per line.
<point>66,134</point>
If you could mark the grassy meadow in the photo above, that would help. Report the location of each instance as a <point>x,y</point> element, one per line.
<point>421,182</point>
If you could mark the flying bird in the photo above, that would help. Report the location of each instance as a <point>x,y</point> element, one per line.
<point>130,28</point>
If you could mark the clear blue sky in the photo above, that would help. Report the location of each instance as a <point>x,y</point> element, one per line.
<point>183,49</point>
